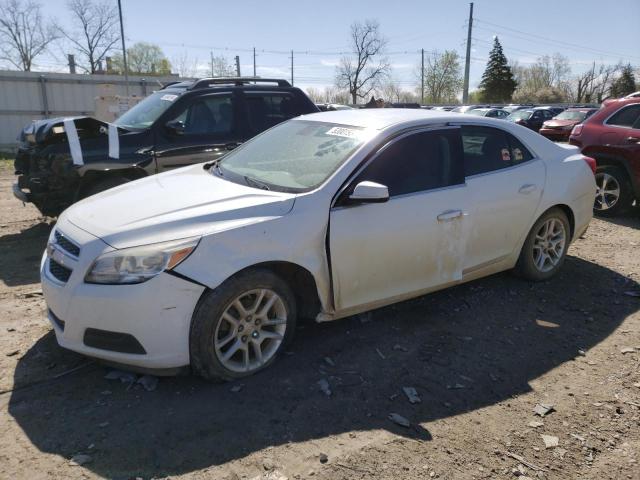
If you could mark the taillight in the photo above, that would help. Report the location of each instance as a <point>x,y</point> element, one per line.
<point>591,162</point>
<point>577,130</point>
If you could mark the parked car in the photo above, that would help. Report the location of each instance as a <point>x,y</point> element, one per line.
<point>330,107</point>
<point>612,137</point>
<point>323,216</point>
<point>554,110</point>
<point>184,123</point>
<point>559,127</point>
<point>466,108</point>
<point>532,118</point>
<point>489,112</point>
<point>513,107</point>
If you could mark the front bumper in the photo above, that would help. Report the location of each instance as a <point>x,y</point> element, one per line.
<point>156,313</point>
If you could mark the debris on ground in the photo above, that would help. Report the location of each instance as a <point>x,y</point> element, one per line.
<point>631,293</point>
<point>80,459</point>
<point>324,386</point>
<point>536,424</point>
<point>550,441</point>
<point>149,382</point>
<point>12,353</point>
<point>399,420</point>
<point>124,377</point>
<point>323,458</point>
<point>627,350</point>
<point>380,354</point>
<point>412,395</point>
<point>237,388</point>
<point>543,409</point>
<point>400,348</point>
<point>329,361</point>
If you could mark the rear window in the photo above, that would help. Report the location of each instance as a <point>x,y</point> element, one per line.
<point>521,115</point>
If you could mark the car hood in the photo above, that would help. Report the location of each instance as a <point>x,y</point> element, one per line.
<point>184,203</point>
<point>560,123</point>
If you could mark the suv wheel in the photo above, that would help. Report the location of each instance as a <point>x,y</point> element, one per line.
<point>240,327</point>
<point>614,194</point>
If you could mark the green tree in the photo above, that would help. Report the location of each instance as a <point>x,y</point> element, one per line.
<point>624,84</point>
<point>143,58</point>
<point>497,83</point>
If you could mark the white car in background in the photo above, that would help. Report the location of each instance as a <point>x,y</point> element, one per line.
<point>323,216</point>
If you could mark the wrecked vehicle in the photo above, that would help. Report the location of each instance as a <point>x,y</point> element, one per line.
<point>323,216</point>
<point>62,160</point>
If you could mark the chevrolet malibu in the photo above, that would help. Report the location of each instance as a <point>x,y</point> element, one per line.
<point>322,217</point>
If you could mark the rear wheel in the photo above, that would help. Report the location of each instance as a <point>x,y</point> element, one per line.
<point>240,327</point>
<point>545,248</point>
<point>614,194</point>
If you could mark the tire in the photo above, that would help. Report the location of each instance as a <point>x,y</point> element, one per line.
<point>102,185</point>
<point>532,264</point>
<point>620,196</point>
<point>213,333</point>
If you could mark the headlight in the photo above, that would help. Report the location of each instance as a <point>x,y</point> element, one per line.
<point>139,264</point>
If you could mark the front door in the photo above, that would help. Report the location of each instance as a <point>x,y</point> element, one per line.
<point>416,240</point>
<point>205,129</point>
<point>505,184</point>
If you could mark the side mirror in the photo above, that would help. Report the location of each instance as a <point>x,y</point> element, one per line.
<point>369,192</point>
<point>175,127</point>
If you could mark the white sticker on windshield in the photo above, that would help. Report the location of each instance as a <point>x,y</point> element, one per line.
<point>344,132</point>
<point>168,97</point>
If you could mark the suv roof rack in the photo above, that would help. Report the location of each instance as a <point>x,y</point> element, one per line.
<point>169,84</point>
<point>239,81</point>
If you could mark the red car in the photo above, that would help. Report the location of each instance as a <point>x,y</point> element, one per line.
<point>612,137</point>
<point>559,127</point>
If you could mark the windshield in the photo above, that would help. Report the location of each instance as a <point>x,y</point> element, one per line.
<point>147,111</point>
<point>575,115</point>
<point>478,112</point>
<point>520,115</point>
<point>295,156</point>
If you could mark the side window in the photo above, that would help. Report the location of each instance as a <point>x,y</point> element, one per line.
<point>625,117</point>
<point>264,110</point>
<point>211,115</point>
<point>488,149</point>
<point>418,162</point>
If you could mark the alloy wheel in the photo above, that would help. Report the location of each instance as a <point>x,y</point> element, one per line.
<point>250,330</point>
<point>548,245</point>
<point>607,193</point>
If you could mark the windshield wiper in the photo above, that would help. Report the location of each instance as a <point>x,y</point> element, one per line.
<point>215,164</point>
<point>252,182</point>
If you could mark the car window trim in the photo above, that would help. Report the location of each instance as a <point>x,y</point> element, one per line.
<point>386,143</point>
<point>631,105</point>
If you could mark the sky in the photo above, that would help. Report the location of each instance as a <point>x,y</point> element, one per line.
<point>318,32</point>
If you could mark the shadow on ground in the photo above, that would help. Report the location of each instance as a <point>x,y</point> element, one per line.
<point>20,261</point>
<point>462,349</point>
<point>629,219</point>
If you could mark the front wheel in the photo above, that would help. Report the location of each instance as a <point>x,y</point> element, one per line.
<point>546,246</point>
<point>240,327</point>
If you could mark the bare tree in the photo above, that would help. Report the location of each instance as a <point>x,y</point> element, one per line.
<point>594,85</point>
<point>23,33</point>
<point>185,66</point>
<point>361,75</point>
<point>97,31</point>
<point>547,80</point>
<point>442,77</point>
<point>221,66</point>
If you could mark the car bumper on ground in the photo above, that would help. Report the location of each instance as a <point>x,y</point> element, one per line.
<point>143,325</point>
<point>20,194</point>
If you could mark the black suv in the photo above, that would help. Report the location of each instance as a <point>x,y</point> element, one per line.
<point>181,124</point>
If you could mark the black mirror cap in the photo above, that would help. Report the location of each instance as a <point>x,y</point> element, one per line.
<point>175,127</point>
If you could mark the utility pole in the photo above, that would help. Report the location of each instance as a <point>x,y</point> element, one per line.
<point>211,55</point>
<point>254,61</point>
<point>291,67</point>
<point>237,65</point>
<point>124,52</point>
<point>467,63</point>
<point>72,63</point>
<point>422,78</point>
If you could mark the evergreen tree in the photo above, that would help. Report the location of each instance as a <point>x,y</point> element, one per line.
<point>624,84</point>
<point>497,83</point>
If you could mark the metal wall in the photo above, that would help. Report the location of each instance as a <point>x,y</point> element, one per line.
<point>27,96</point>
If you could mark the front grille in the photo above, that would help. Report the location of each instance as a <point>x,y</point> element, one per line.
<point>66,244</point>
<point>59,272</point>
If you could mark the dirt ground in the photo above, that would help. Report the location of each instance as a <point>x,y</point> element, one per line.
<point>480,356</point>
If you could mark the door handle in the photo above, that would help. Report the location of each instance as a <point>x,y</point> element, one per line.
<point>633,140</point>
<point>450,215</point>
<point>526,189</point>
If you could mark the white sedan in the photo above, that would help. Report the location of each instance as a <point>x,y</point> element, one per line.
<point>323,216</point>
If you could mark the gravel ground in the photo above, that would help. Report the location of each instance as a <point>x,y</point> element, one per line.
<point>480,357</point>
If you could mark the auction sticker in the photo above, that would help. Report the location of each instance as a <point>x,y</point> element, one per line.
<point>344,132</point>
<point>168,97</point>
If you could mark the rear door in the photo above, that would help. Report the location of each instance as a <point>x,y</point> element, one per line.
<point>413,242</point>
<point>209,128</point>
<point>624,136</point>
<point>505,184</point>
